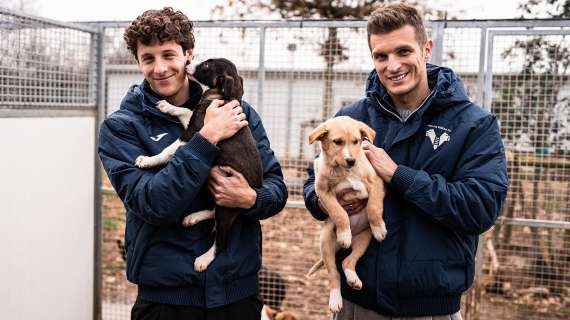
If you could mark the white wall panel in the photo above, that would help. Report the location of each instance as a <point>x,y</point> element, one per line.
<point>46,205</point>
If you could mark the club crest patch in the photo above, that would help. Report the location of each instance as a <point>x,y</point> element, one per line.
<point>437,141</point>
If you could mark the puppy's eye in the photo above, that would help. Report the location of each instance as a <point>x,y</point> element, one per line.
<point>338,142</point>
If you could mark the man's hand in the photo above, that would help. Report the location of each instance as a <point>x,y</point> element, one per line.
<point>384,166</point>
<point>222,120</point>
<point>230,189</point>
<point>346,198</point>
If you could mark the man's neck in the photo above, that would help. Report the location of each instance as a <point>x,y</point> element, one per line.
<point>411,101</point>
<point>182,96</point>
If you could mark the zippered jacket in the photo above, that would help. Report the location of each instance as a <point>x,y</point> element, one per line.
<point>448,188</point>
<point>160,251</point>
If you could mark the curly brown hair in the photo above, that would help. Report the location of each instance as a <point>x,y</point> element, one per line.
<point>162,25</point>
<point>390,17</point>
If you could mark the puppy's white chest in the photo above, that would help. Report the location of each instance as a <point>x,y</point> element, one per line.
<point>355,183</point>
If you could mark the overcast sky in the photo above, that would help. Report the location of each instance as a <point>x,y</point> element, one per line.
<point>96,10</point>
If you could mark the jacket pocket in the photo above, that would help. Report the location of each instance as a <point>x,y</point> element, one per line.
<point>136,239</point>
<point>423,279</point>
<point>242,258</point>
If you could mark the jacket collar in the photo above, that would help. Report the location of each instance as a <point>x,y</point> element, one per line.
<point>447,90</point>
<point>141,99</point>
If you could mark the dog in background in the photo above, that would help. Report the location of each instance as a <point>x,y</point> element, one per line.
<point>273,289</point>
<point>238,152</point>
<point>342,166</point>
<point>268,313</point>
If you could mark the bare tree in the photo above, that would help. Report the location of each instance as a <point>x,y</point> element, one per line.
<point>27,6</point>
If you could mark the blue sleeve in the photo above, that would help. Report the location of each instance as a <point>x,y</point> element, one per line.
<point>310,196</point>
<point>272,196</point>
<point>471,201</point>
<point>160,196</point>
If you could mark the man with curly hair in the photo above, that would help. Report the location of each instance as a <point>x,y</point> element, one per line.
<point>160,251</point>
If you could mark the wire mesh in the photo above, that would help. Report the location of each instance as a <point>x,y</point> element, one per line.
<point>526,274</point>
<point>45,65</point>
<point>304,75</point>
<point>461,52</point>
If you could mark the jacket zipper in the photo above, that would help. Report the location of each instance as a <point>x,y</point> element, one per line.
<point>397,116</point>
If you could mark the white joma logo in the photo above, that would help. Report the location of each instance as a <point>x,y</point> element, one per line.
<point>159,136</point>
<point>435,140</point>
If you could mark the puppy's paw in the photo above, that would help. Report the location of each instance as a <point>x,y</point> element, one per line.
<point>142,162</point>
<point>344,239</point>
<point>352,279</point>
<point>379,231</point>
<point>196,217</point>
<point>202,262</point>
<point>190,220</point>
<point>335,300</point>
<point>167,108</point>
<point>179,112</point>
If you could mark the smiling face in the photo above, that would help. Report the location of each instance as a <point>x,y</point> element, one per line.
<point>163,66</point>
<point>400,62</point>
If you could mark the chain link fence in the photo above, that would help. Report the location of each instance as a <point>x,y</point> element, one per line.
<point>46,64</point>
<point>298,73</point>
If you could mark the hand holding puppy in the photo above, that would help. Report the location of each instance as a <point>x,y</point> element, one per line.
<point>230,188</point>
<point>350,203</point>
<point>384,166</point>
<point>222,120</point>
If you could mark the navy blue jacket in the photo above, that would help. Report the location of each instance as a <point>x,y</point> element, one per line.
<point>449,187</point>
<point>160,251</point>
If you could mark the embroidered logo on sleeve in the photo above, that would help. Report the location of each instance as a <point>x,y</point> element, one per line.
<point>158,136</point>
<point>437,141</point>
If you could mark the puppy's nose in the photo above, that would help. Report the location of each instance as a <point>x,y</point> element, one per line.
<point>350,162</point>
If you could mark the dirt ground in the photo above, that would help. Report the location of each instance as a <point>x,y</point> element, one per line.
<point>290,248</point>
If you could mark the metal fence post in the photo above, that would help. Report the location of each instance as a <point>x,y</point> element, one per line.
<point>481,75</point>
<point>438,31</point>
<point>261,71</point>
<point>99,117</point>
<point>488,86</point>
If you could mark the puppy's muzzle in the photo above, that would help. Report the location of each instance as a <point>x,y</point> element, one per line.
<point>350,162</point>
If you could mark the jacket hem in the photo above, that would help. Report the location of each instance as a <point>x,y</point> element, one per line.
<point>238,290</point>
<point>186,296</point>
<point>197,296</point>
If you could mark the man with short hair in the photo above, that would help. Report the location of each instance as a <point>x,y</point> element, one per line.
<point>160,251</point>
<point>443,162</point>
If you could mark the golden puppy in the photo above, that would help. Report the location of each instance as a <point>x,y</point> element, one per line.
<point>343,165</point>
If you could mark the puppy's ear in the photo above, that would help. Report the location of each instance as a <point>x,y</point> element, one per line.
<point>239,93</point>
<point>318,133</point>
<point>366,131</point>
<point>227,85</point>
